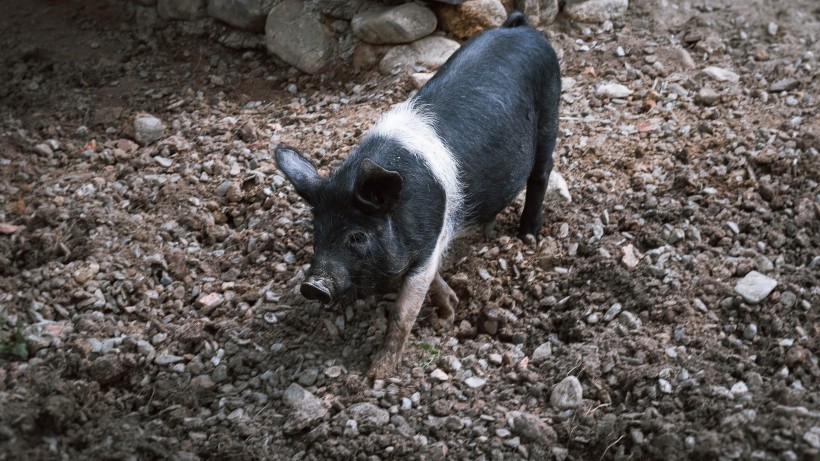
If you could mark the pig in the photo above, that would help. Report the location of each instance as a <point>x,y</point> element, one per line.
<point>451,157</point>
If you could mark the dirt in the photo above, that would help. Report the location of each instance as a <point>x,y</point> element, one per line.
<point>149,303</point>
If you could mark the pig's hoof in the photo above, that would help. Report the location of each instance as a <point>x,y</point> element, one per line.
<point>381,368</point>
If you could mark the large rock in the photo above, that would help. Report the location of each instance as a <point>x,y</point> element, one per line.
<point>247,15</point>
<point>399,24</point>
<point>181,9</point>
<point>471,17</point>
<point>539,11</point>
<point>428,53</point>
<point>342,9</point>
<point>297,37</point>
<point>595,10</point>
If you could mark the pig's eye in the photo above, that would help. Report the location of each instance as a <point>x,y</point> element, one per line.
<point>357,239</point>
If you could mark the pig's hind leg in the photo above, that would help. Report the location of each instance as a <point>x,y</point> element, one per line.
<point>444,299</point>
<point>400,319</point>
<point>532,216</point>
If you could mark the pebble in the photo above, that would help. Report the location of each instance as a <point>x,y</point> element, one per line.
<point>439,374</point>
<point>631,256</point>
<point>612,312</point>
<point>707,96</point>
<point>612,90</point>
<point>531,429</point>
<point>721,75</point>
<point>664,386</point>
<point>739,388</point>
<point>750,331</point>
<point>475,382</point>
<point>567,394</point>
<point>541,353</point>
<point>786,84</point>
<point>147,129</point>
<point>755,287</point>
<point>630,320</point>
<point>366,413</point>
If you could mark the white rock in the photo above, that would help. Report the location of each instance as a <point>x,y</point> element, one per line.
<point>612,90</point>
<point>557,188</point>
<point>739,388</point>
<point>720,74</point>
<point>439,374</point>
<point>631,256</point>
<point>475,382</point>
<point>755,287</point>
<point>665,386</point>
<point>567,394</point>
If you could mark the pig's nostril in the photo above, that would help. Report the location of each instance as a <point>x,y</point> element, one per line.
<point>316,290</point>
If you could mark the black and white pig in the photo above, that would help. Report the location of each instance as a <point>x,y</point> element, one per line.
<point>452,156</point>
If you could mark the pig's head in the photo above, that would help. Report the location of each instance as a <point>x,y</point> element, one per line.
<point>356,246</point>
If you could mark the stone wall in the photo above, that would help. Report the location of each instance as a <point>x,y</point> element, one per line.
<point>395,36</point>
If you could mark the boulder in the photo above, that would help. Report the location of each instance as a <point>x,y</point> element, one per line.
<point>428,53</point>
<point>296,35</point>
<point>399,24</point>
<point>247,15</point>
<point>471,17</point>
<point>181,9</point>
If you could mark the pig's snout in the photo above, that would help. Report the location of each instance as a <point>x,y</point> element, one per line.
<point>317,289</point>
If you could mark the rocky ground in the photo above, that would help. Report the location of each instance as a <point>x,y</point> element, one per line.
<point>147,293</point>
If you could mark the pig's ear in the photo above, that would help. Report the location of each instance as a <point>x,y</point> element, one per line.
<point>300,171</point>
<point>377,190</point>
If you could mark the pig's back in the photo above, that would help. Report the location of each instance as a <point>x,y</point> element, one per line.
<point>490,101</point>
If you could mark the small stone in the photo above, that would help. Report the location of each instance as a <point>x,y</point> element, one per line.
<point>665,386</point>
<point>147,129</point>
<point>739,388</point>
<point>772,28</point>
<point>367,414</point>
<point>721,75</point>
<point>786,84</point>
<point>307,409</point>
<point>612,312</point>
<point>531,429</point>
<point>220,373</point>
<point>630,320</point>
<point>404,23</point>
<point>613,90</point>
<point>557,188</point>
<point>707,96</point>
<point>542,353</point>
<point>86,273</point>
<point>203,383</point>
<point>632,257</point>
<point>439,374</point>
<point>755,287</point>
<point>567,394</point>
<point>475,382</point>
<point>210,301</point>
<point>750,331</point>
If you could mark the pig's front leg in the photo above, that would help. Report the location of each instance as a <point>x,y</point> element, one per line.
<point>445,300</point>
<point>400,319</point>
